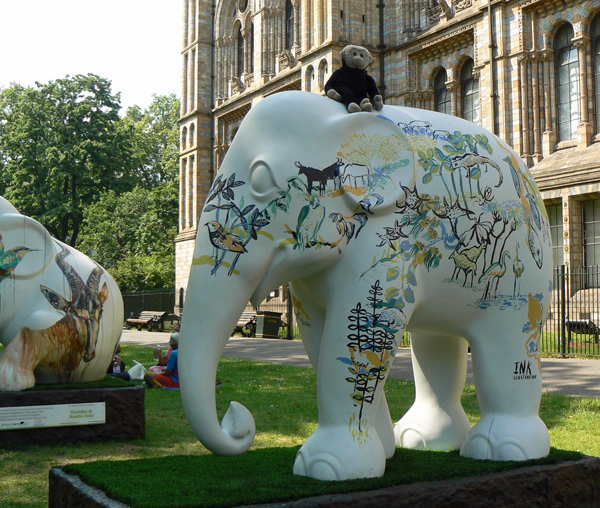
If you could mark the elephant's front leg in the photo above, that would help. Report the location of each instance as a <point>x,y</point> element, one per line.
<point>354,363</point>
<point>311,321</point>
<point>17,363</point>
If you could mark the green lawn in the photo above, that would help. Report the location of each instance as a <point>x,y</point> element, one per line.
<point>282,400</point>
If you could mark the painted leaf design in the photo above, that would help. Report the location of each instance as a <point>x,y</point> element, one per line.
<point>247,210</point>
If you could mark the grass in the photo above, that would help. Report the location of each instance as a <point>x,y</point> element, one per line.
<point>243,480</point>
<point>282,400</point>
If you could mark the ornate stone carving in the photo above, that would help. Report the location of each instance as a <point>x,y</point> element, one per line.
<point>237,85</point>
<point>462,5</point>
<point>433,15</point>
<point>287,60</point>
<point>446,6</point>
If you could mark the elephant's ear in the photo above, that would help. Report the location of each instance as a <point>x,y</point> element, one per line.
<point>379,165</point>
<point>26,247</point>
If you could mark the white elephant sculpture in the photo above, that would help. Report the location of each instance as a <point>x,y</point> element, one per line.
<point>444,235</point>
<point>61,314</point>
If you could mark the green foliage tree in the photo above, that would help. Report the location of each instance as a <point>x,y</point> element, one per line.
<point>62,144</point>
<point>156,140</point>
<point>133,233</point>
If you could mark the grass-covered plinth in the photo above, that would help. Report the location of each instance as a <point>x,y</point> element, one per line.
<point>265,476</point>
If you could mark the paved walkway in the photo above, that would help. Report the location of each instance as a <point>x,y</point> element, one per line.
<point>569,376</point>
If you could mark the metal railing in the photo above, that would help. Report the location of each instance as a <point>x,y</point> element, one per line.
<point>158,299</point>
<point>573,324</point>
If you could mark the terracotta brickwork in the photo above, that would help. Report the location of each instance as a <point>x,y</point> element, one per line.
<point>247,49</point>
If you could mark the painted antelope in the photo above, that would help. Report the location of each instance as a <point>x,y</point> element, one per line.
<point>82,312</point>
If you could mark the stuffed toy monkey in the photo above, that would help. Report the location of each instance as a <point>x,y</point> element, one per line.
<point>351,84</point>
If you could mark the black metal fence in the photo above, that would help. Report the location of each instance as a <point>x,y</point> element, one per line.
<point>159,299</point>
<point>573,324</point>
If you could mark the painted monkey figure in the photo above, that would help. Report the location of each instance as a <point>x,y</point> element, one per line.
<point>351,85</point>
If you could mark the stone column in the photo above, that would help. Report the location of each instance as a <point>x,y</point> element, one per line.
<point>182,194</point>
<point>318,28</point>
<point>584,129</point>
<point>272,35</point>
<point>219,70</point>
<point>246,37</point>
<point>537,134</point>
<point>306,28</point>
<point>453,87</point>
<point>549,136</point>
<point>524,109</point>
<point>296,47</point>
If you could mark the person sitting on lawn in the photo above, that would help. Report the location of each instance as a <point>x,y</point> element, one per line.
<point>169,378</point>
<point>162,359</point>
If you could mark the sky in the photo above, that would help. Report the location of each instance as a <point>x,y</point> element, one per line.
<point>136,44</point>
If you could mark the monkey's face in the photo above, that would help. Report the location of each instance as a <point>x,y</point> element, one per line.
<point>356,57</point>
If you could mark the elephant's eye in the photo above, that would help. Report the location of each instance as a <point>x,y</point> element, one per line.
<point>261,179</point>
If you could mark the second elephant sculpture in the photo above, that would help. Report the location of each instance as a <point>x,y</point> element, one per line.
<point>61,314</point>
<point>403,220</point>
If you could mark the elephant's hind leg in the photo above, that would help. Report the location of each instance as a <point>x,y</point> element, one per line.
<point>436,420</point>
<point>509,387</point>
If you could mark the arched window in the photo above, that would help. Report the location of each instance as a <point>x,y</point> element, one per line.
<point>290,21</point>
<point>322,72</point>
<point>470,93</point>
<point>308,78</point>
<point>596,67</point>
<point>442,95</point>
<point>567,83</point>
<point>240,53</point>
<point>184,134</point>
<point>192,135</point>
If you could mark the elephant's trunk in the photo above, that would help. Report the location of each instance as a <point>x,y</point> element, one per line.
<point>212,308</point>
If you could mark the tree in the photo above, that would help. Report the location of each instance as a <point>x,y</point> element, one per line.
<point>62,144</point>
<point>132,234</point>
<point>156,140</point>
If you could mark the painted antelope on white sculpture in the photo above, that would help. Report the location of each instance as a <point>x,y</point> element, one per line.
<point>61,314</point>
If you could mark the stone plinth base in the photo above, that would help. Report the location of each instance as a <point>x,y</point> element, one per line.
<point>574,484</point>
<point>125,415</point>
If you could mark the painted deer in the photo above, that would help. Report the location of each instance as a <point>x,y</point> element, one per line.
<point>61,314</point>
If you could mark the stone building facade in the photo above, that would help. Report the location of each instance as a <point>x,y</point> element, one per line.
<point>528,70</point>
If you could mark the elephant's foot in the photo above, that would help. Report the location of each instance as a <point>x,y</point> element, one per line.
<point>432,428</point>
<point>332,453</point>
<point>506,437</point>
